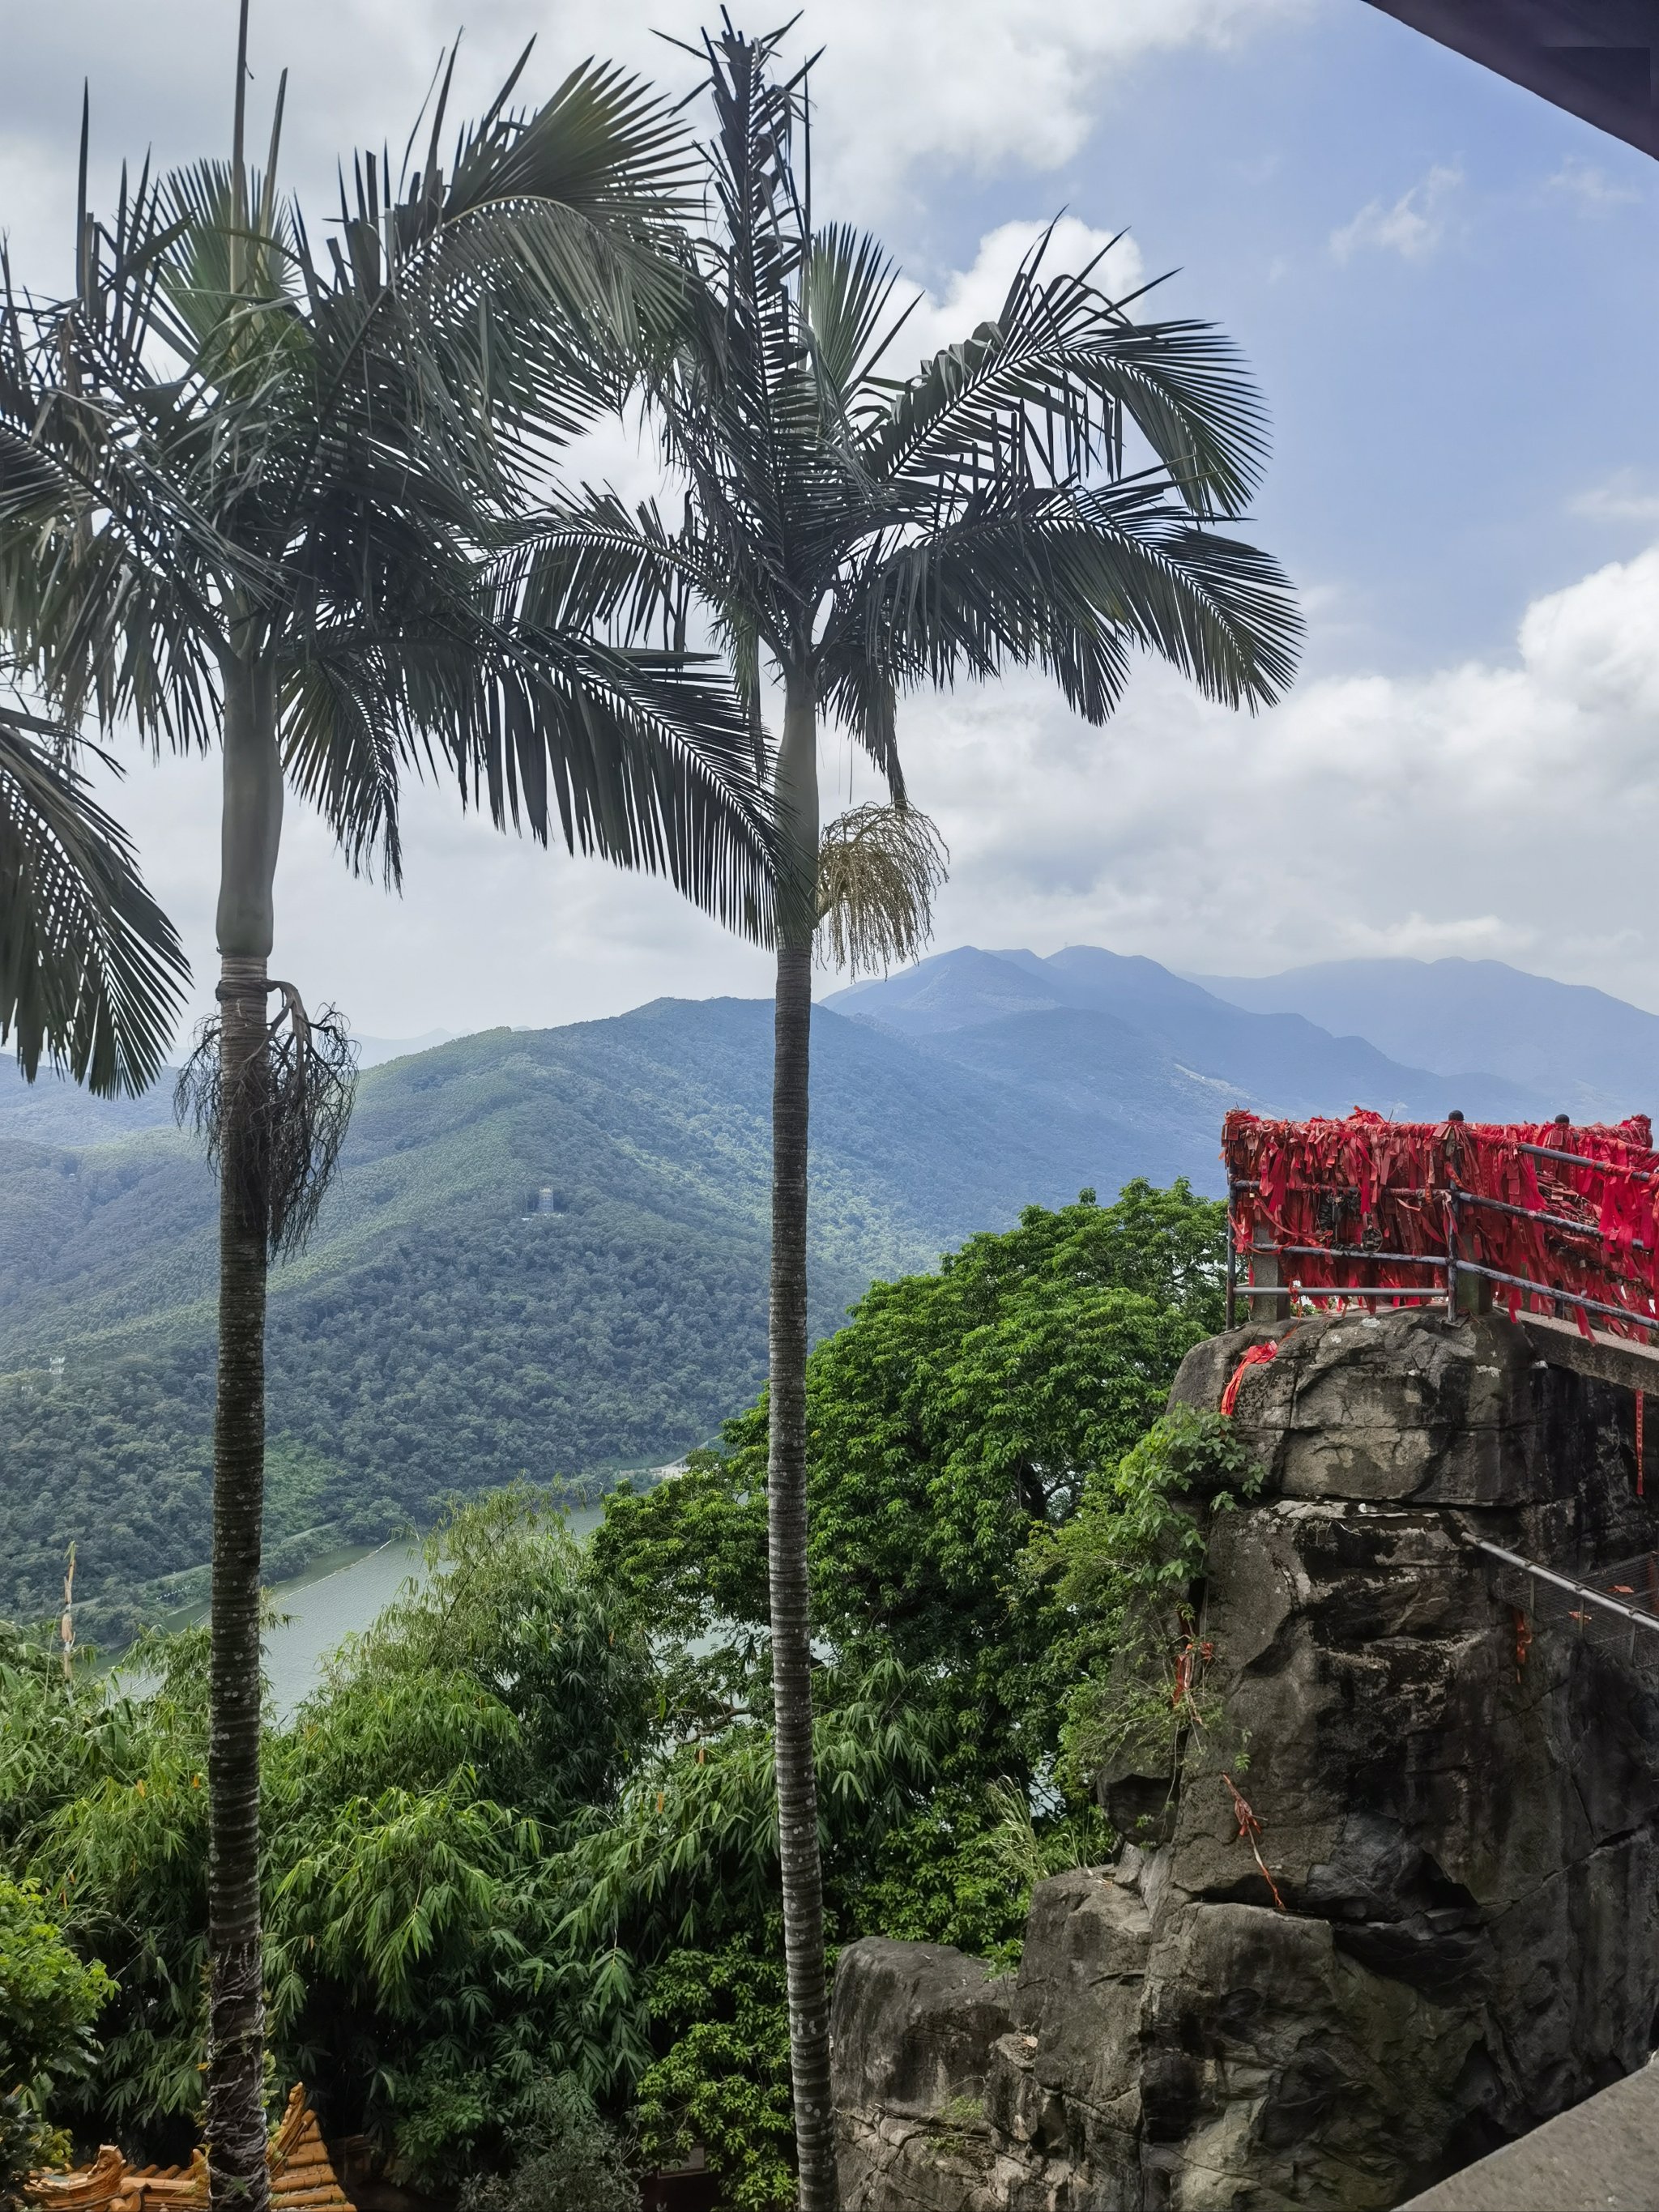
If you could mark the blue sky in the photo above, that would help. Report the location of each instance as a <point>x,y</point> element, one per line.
<point>1450,295</point>
<point>1439,402</point>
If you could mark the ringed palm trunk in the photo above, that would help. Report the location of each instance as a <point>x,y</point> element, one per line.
<point>791,1685</point>
<point>251,827</point>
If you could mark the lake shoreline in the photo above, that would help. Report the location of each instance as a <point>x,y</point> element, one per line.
<point>337,1595</point>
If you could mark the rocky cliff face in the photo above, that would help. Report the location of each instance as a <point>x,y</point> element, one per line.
<point>1459,1828</point>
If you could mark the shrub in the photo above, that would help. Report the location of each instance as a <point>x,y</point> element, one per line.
<point>48,2003</point>
<point>581,2167</point>
<point>1126,1566</point>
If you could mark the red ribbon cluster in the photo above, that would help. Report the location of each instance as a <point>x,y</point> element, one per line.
<point>1380,1189</point>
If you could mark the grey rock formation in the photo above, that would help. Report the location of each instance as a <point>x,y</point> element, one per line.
<point>1463,1839</point>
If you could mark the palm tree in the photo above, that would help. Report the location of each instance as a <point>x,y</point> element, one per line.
<point>92,973</point>
<point>261,496</point>
<point>1044,493</point>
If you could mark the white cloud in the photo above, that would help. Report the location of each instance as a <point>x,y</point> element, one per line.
<point>1412,226</point>
<point>1588,189</point>
<point>1506,807</point>
<point>903,92</point>
<point>1622,498</point>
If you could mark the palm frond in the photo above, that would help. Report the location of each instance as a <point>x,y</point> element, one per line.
<point>344,751</point>
<point>650,766</point>
<point>552,244</point>
<point>1067,581</point>
<point>642,757</point>
<point>590,562</point>
<point>92,973</point>
<point>846,285</point>
<point>1044,394</point>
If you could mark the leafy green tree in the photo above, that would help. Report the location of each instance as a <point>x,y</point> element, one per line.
<point>524,1836</point>
<point>723,2083</point>
<point>417,1817</point>
<point>254,496</point>
<point>1044,493</point>
<point>49,2002</point>
<point>956,1417</point>
<point>960,1869</point>
<point>580,2166</point>
<point>1129,1681</point>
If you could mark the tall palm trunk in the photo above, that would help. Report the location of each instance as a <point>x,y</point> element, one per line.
<point>238,2175</point>
<point>792,1681</point>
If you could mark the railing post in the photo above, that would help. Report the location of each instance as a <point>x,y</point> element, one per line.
<point>1269,1298</point>
<point>1467,1295</point>
<point>1232,1256</point>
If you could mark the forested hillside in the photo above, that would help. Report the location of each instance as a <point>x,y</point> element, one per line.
<point>434,1340</point>
<point>520,1841</point>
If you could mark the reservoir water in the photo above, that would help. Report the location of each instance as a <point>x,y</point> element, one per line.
<point>338,1597</point>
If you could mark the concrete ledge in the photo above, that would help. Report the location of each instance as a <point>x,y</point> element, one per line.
<point>1602,2156</point>
<point>1608,1358</point>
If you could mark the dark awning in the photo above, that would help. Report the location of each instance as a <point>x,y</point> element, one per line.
<point>1594,57</point>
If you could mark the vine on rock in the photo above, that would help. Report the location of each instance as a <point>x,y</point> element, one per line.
<point>1129,1568</point>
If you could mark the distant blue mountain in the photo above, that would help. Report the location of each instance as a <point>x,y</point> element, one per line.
<point>1164,1052</point>
<point>52,1110</point>
<point>1587,1053</point>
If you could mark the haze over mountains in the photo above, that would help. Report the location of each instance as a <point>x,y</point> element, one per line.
<point>1592,1054</point>
<point>1089,1012</point>
<point>440,1337</point>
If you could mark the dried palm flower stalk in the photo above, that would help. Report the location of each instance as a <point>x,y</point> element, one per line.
<point>878,868</point>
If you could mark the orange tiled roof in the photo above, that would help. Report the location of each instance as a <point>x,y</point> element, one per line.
<point>302,2178</point>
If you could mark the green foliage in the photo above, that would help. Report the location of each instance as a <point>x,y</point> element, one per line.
<point>520,1846</point>
<point>723,2081</point>
<point>955,1425</point>
<point>49,2001</point>
<point>958,1416</point>
<point>1124,1568</point>
<point>960,1869</point>
<point>693,1549</point>
<point>573,2162</point>
<point>433,1339</point>
<point>414,1815</point>
<point>27,2144</point>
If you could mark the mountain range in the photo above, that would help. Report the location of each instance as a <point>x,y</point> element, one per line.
<point>1084,1013</point>
<point>1589,1054</point>
<point>545,1256</point>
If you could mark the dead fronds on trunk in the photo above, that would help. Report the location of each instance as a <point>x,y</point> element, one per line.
<point>296,1095</point>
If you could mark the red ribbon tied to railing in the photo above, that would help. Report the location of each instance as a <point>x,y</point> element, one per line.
<point>1571,1211</point>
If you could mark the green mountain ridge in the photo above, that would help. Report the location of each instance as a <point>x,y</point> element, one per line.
<point>434,1339</point>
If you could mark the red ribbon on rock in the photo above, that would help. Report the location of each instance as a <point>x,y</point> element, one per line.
<point>1257,1356</point>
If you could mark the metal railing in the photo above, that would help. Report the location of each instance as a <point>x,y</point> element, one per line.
<point>1448,1264</point>
<point>1597,1612</point>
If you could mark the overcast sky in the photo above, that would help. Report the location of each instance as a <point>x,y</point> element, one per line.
<point>1450,295</point>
